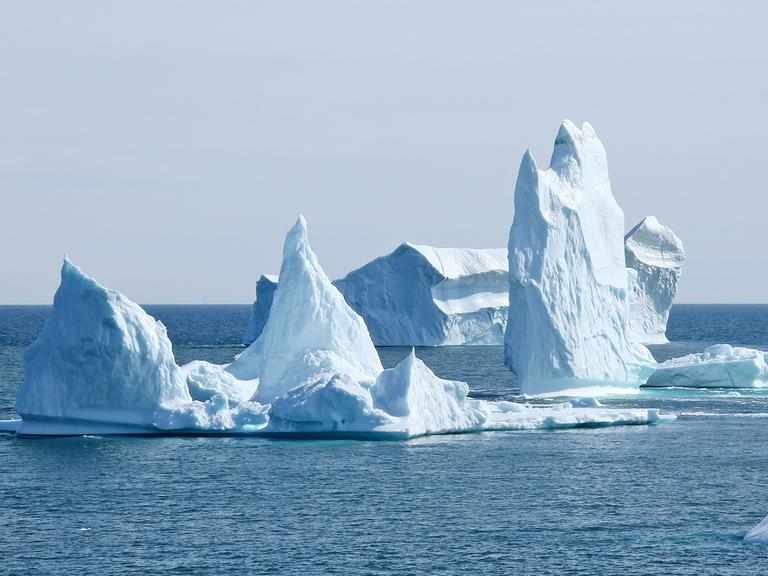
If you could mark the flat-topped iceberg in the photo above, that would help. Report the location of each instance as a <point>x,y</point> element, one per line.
<point>426,296</point>
<point>265,291</point>
<point>419,296</point>
<point>568,320</point>
<point>719,366</point>
<point>103,365</point>
<point>656,256</point>
<point>758,534</point>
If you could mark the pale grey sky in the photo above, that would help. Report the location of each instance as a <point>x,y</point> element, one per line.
<point>168,146</point>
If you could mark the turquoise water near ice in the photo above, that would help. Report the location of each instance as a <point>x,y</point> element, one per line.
<point>668,499</point>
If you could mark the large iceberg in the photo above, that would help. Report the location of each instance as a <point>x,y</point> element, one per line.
<point>568,322</point>
<point>104,366</point>
<point>265,291</point>
<point>320,372</point>
<point>419,296</point>
<point>656,256</point>
<point>425,296</point>
<point>719,366</point>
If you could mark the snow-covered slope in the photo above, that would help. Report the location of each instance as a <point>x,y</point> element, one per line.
<point>719,366</point>
<point>425,296</point>
<point>265,290</point>
<point>656,254</point>
<point>568,324</point>
<point>103,365</point>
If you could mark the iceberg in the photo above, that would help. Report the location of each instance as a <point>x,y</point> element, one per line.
<point>318,368</point>
<point>265,291</point>
<point>310,328</point>
<point>719,366</point>
<point>656,256</point>
<point>426,296</point>
<point>568,320</point>
<point>320,373</point>
<point>758,534</point>
<point>419,296</point>
<point>102,365</point>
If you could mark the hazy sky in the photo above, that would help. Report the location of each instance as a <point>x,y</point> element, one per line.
<point>168,146</point>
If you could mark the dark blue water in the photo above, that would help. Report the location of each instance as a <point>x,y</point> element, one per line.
<point>670,499</point>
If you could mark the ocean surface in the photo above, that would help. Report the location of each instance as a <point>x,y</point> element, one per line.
<point>668,499</point>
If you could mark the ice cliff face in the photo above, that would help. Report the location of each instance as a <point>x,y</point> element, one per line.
<point>103,365</point>
<point>656,254</point>
<point>425,296</point>
<point>265,290</point>
<point>568,324</point>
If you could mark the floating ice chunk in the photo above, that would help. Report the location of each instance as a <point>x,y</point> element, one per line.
<point>100,358</point>
<point>585,403</point>
<point>501,417</point>
<point>758,534</point>
<point>104,366</point>
<point>719,366</point>
<point>656,255</point>
<point>265,291</point>
<point>568,320</point>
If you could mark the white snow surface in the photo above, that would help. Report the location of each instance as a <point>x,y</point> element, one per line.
<point>719,366</point>
<point>758,534</point>
<point>656,256</point>
<point>425,296</point>
<point>103,365</point>
<point>568,324</point>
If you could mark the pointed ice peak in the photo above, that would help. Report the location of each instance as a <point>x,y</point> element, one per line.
<point>73,278</point>
<point>308,315</point>
<point>296,240</point>
<point>67,268</point>
<point>577,147</point>
<point>528,163</point>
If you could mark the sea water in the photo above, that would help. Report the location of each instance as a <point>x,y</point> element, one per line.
<point>667,499</point>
